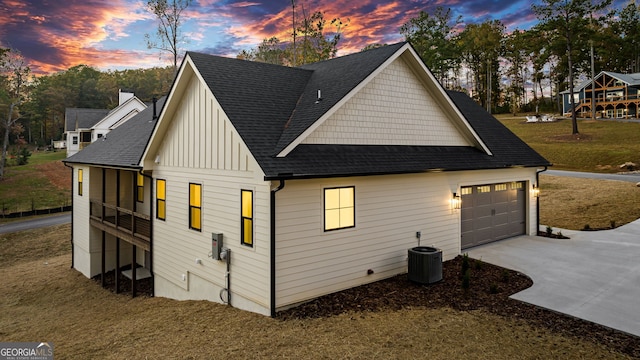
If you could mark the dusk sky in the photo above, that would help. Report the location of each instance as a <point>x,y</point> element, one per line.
<point>54,35</point>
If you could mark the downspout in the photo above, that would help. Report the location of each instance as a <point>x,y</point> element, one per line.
<point>538,199</point>
<point>151,217</point>
<point>72,258</point>
<point>273,247</point>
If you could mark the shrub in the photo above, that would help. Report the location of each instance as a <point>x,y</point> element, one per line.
<point>493,288</point>
<point>505,275</point>
<point>549,230</point>
<point>466,280</point>
<point>465,264</point>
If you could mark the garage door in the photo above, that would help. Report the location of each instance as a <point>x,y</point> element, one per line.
<point>492,212</point>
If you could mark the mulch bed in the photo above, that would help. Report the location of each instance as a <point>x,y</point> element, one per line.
<point>489,289</point>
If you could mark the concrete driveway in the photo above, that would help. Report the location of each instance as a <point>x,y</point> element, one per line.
<point>595,275</point>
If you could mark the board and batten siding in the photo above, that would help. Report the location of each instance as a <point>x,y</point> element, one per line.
<point>394,108</point>
<point>83,251</point>
<point>201,146</point>
<point>389,210</point>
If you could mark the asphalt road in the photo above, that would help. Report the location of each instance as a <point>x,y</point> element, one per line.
<point>35,223</point>
<point>635,178</point>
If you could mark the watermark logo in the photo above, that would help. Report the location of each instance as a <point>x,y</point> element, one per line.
<point>26,351</point>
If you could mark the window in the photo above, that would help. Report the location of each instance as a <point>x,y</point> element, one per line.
<point>195,203</point>
<point>161,198</point>
<point>75,140</point>
<point>339,208</point>
<point>140,188</point>
<point>246,217</point>
<point>500,187</point>
<point>80,182</point>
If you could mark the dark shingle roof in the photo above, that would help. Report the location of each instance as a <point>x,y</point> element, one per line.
<point>124,145</point>
<point>84,118</point>
<point>271,105</point>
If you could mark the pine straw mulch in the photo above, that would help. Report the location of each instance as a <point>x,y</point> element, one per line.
<point>489,290</point>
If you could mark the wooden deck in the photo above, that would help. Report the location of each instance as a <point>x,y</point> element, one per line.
<point>125,224</point>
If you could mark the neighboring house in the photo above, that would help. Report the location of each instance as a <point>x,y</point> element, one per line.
<point>84,126</point>
<point>616,96</point>
<point>315,179</point>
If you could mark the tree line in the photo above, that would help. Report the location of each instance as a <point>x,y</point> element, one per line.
<point>504,72</point>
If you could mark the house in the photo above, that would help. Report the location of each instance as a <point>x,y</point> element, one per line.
<point>616,96</point>
<point>84,126</point>
<point>310,180</point>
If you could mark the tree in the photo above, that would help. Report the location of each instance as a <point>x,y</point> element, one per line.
<point>433,38</point>
<point>169,15</point>
<point>312,43</point>
<point>622,39</point>
<point>568,21</point>
<point>14,75</point>
<point>269,52</point>
<point>517,55</point>
<point>315,45</point>
<point>481,45</point>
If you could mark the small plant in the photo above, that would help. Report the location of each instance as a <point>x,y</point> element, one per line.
<point>549,231</point>
<point>493,288</point>
<point>466,280</point>
<point>505,276</point>
<point>560,236</point>
<point>477,264</point>
<point>465,264</point>
<point>613,224</point>
<point>586,227</point>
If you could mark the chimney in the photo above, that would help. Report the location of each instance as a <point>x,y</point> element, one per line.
<point>155,114</point>
<point>123,96</point>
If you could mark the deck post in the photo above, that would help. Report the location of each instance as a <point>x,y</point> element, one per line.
<point>133,270</point>
<point>117,265</point>
<point>103,257</point>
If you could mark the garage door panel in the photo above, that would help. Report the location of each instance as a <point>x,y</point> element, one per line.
<point>492,212</point>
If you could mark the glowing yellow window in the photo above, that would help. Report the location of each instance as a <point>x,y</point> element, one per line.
<point>339,208</point>
<point>246,217</point>
<point>80,182</point>
<point>140,188</point>
<point>161,198</point>
<point>195,210</point>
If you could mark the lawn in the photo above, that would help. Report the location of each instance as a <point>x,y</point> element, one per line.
<point>601,146</point>
<point>41,184</point>
<point>44,300</point>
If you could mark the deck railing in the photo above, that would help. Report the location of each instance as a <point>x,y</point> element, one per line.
<point>126,224</point>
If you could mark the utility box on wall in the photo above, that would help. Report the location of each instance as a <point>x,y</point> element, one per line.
<point>216,245</point>
<point>425,265</point>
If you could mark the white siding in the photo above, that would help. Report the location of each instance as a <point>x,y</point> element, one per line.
<point>202,147</point>
<point>82,249</point>
<point>389,211</point>
<point>394,108</point>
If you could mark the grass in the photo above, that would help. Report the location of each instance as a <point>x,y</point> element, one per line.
<point>29,187</point>
<point>572,203</point>
<point>601,146</point>
<point>44,300</point>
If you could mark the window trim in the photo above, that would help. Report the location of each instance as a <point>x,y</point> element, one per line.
<point>193,207</point>
<point>163,200</point>
<point>139,188</point>
<point>80,181</point>
<point>353,206</point>
<point>244,217</point>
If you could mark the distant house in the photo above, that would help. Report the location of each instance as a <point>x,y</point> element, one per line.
<point>616,96</point>
<point>313,179</point>
<point>84,126</point>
